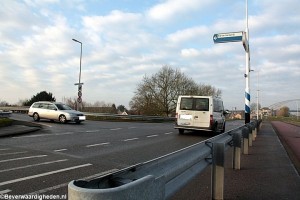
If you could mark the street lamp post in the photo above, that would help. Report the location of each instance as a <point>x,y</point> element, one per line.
<point>79,99</point>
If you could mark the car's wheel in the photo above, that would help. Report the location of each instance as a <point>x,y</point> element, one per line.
<point>62,119</point>
<point>36,117</point>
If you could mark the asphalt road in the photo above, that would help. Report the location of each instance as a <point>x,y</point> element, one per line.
<point>44,162</point>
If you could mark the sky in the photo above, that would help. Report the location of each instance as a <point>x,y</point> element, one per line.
<point>125,40</point>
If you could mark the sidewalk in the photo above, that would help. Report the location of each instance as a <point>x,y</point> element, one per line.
<point>266,173</point>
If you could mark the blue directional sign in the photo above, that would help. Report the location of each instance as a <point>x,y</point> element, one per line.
<point>228,37</point>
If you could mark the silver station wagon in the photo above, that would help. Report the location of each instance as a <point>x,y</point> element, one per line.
<point>55,112</point>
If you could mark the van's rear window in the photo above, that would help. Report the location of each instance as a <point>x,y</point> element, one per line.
<point>186,104</point>
<point>201,104</point>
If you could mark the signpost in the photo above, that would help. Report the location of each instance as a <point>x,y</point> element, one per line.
<point>228,37</point>
<point>242,36</point>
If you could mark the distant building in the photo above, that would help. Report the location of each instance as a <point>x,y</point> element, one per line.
<point>265,112</point>
<point>236,114</point>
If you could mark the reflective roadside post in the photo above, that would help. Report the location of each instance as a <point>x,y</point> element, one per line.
<point>79,98</point>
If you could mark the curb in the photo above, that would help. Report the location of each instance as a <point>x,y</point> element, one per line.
<point>20,127</point>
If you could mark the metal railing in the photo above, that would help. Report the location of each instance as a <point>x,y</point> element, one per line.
<point>162,177</point>
<point>5,114</point>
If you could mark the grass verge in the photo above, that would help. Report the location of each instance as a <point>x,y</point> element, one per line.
<point>5,122</point>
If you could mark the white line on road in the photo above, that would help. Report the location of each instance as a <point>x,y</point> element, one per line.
<point>22,158</point>
<point>130,139</point>
<point>59,150</point>
<point>92,131</point>
<point>30,136</point>
<point>13,153</point>
<point>5,191</point>
<point>100,144</point>
<point>150,136</point>
<point>34,165</point>
<point>115,129</point>
<point>4,149</point>
<point>132,127</point>
<point>66,133</point>
<point>43,174</point>
<point>168,133</point>
<point>66,184</point>
<point>43,135</point>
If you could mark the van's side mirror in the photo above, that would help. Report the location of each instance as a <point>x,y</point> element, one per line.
<point>226,112</point>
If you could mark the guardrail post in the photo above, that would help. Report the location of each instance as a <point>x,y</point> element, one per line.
<point>218,170</point>
<point>249,126</point>
<point>245,133</point>
<point>237,144</point>
<point>254,130</point>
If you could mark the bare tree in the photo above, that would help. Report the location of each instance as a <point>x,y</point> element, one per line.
<point>283,111</point>
<point>157,95</point>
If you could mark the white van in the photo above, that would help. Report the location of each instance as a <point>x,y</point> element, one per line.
<point>200,113</point>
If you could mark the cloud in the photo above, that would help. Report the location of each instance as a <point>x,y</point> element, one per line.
<point>122,44</point>
<point>171,9</point>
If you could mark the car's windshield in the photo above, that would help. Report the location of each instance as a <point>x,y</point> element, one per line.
<point>62,106</point>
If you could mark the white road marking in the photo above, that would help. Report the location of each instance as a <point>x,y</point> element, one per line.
<point>92,131</point>
<point>43,174</point>
<point>66,184</point>
<point>131,127</point>
<point>66,133</point>
<point>3,149</point>
<point>130,139</point>
<point>115,129</point>
<point>58,150</point>
<point>5,191</point>
<point>150,136</point>
<point>43,135</point>
<point>100,144</point>
<point>22,158</point>
<point>30,136</point>
<point>168,133</point>
<point>45,124</point>
<point>13,153</point>
<point>27,166</point>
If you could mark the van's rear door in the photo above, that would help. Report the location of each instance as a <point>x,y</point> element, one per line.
<point>185,112</point>
<point>201,115</point>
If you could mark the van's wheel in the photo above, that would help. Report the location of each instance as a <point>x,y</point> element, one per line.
<point>62,119</point>
<point>36,117</point>
<point>181,131</point>
<point>215,129</point>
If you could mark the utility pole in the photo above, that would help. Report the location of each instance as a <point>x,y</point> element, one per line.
<point>79,99</point>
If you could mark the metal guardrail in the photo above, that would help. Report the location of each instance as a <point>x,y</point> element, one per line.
<point>20,109</point>
<point>4,114</point>
<point>160,178</point>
